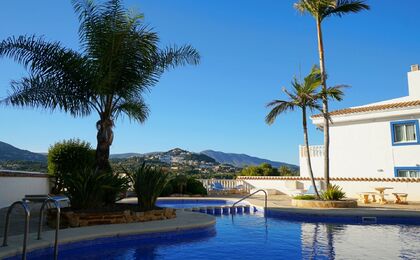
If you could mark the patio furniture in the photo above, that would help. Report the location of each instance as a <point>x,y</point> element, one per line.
<point>364,197</point>
<point>400,198</point>
<point>382,194</point>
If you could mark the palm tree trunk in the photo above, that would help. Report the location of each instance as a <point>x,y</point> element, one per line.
<point>104,138</point>
<point>308,155</point>
<point>324,105</point>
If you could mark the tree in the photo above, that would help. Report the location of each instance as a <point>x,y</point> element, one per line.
<point>119,61</point>
<point>321,9</point>
<point>304,97</point>
<point>264,169</point>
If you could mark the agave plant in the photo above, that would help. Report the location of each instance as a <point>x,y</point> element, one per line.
<point>333,192</point>
<point>148,182</point>
<point>84,188</point>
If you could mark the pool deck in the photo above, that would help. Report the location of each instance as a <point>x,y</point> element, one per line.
<point>183,221</point>
<point>283,203</point>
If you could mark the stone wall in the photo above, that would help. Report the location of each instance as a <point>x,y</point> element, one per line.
<point>75,219</point>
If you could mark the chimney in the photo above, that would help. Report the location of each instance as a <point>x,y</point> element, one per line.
<point>414,82</point>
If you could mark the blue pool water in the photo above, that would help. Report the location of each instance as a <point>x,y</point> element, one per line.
<point>190,203</point>
<point>252,236</point>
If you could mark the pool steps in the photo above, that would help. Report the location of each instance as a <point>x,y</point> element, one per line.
<point>223,210</point>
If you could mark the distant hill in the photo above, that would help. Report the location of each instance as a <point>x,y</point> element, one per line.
<point>11,153</point>
<point>241,160</point>
<point>124,155</point>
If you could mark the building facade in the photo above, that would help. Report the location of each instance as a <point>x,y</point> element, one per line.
<point>379,140</point>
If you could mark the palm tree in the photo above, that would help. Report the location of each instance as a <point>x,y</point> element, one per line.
<point>119,60</point>
<point>321,9</point>
<point>305,96</point>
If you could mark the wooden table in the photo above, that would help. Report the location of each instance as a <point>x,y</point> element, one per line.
<point>381,191</point>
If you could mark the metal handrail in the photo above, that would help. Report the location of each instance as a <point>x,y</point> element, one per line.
<point>25,235</point>
<point>41,216</point>
<point>249,195</point>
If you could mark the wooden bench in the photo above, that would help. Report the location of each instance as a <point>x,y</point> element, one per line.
<point>400,198</point>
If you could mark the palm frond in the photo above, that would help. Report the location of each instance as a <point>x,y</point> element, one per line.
<point>134,109</point>
<point>335,92</point>
<point>342,7</point>
<point>174,56</point>
<point>279,107</point>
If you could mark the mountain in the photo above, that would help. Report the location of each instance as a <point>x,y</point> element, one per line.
<point>124,155</point>
<point>241,160</point>
<point>11,153</point>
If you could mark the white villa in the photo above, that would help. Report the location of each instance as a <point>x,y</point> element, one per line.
<point>378,140</point>
<point>375,145</point>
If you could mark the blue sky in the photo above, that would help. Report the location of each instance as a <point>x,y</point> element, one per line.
<point>250,49</point>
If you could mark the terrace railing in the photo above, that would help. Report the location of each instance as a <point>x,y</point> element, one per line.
<point>314,151</point>
<point>228,184</point>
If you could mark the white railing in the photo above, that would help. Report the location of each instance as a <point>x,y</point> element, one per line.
<point>314,150</point>
<point>228,184</point>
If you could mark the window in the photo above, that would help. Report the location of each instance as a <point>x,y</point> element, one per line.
<point>405,132</point>
<point>408,172</point>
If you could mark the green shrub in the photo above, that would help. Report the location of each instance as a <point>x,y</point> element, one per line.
<point>304,197</point>
<point>179,184</point>
<point>168,190</point>
<point>148,182</point>
<point>195,187</point>
<point>68,157</point>
<point>85,188</point>
<point>114,187</point>
<point>333,192</point>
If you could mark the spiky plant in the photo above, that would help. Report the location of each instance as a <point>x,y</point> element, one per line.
<point>148,182</point>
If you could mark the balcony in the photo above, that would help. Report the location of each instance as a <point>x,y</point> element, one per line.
<point>314,151</point>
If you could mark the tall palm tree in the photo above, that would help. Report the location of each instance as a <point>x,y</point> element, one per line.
<point>321,9</point>
<point>305,95</point>
<point>119,60</point>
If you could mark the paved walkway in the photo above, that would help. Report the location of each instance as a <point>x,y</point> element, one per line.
<point>17,220</point>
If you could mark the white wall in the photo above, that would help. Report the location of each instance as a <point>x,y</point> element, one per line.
<point>15,188</point>
<point>364,149</point>
<point>351,188</point>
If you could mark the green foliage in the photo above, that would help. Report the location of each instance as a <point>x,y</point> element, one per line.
<point>68,158</point>
<point>195,187</point>
<point>304,197</point>
<point>333,192</point>
<point>183,184</point>
<point>148,182</point>
<point>114,187</point>
<point>85,188</point>
<point>286,171</point>
<point>263,169</point>
<point>179,184</point>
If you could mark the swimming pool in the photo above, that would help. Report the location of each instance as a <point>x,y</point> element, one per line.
<point>252,236</point>
<point>191,203</point>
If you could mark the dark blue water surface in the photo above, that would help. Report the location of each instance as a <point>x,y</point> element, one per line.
<point>190,203</point>
<point>254,237</point>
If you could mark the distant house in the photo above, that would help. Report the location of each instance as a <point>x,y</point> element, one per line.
<point>378,140</point>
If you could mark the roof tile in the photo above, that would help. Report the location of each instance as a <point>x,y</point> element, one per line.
<point>363,109</point>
